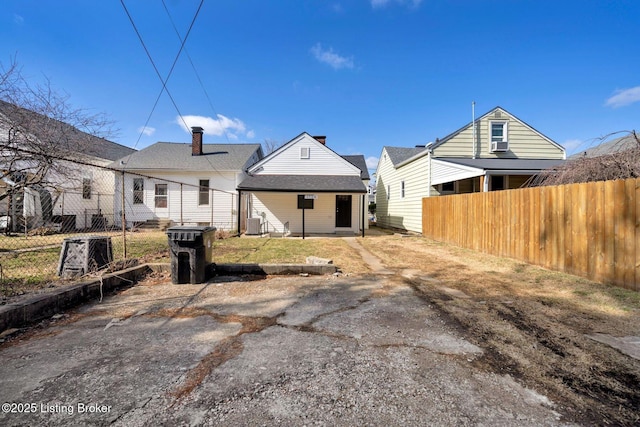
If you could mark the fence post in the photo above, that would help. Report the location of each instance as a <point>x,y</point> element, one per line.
<point>123,220</point>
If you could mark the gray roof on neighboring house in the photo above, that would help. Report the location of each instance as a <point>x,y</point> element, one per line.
<point>504,164</point>
<point>617,145</point>
<point>358,161</point>
<point>400,154</point>
<point>177,156</point>
<point>304,183</point>
<point>66,137</point>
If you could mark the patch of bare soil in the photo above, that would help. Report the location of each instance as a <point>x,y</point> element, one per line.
<point>532,324</point>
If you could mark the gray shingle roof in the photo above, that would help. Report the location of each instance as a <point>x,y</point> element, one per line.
<point>177,156</point>
<point>617,145</point>
<point>304,183</point>
<point>64,135</point>
<point>400,154</point>
<point>504,164</point>
<point>359,162</point>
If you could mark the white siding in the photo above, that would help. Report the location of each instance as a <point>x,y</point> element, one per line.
<point>447,172</point>
<point>182,203</point>
<point>321,161</point>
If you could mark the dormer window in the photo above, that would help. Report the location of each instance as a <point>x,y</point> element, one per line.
<point>304,152</point>
<point>499,140</point>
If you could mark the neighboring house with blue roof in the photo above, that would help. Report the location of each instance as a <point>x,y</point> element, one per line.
<point>305,173</point>
<point>184,184</point>
<point>497,151</point>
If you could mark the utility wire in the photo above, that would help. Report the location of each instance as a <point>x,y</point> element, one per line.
<point>224,131</point>
<point>163,81</point>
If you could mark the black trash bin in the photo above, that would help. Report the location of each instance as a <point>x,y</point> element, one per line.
<point>191,253</point>
<point>80,255</point>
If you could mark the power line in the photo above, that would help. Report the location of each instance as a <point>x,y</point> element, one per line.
<point>163,81</point>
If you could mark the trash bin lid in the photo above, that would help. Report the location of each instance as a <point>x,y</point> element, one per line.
<point>188,233</point>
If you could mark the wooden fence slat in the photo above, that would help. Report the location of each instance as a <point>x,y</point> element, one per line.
<point>629,228</point>
<point>591,229</point>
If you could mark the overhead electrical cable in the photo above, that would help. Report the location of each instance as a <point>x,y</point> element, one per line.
<point>163,81</point>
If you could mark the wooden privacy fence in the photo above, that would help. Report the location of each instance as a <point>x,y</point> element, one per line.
<point>590,229</point>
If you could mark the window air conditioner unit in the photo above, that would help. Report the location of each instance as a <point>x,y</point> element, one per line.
<point>499,146</point>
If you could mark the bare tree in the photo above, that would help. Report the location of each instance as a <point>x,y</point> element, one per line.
<point>616,159</point>
<point>38,129</point>
<point>271,145</point>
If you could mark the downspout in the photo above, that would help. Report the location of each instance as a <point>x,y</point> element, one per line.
<point>363,216</point>
<point>473,121</point>
<point>238,211</point>
<point>429,174</point>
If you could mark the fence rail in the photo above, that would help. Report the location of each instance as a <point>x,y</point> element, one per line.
<point>589,229</point>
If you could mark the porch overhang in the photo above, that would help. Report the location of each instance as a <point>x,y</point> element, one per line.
<point>303,184</point>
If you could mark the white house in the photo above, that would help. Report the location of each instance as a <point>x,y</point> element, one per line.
<point>184,184</point>
<point>305,187</point>
<point>497,151</point>
<point>54,173</point>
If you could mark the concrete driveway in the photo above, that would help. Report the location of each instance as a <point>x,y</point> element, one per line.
<point>286,350</point>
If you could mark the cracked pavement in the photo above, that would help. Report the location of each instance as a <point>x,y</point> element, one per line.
<point>284,350</point>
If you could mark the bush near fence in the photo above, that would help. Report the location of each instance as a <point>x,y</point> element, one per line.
<point>589,229</point>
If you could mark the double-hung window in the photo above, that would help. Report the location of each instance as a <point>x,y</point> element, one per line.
<point>203,193</point>
<point>161,196</point>
<point>138,191</point>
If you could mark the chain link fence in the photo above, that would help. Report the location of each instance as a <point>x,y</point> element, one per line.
<point>132,209</point>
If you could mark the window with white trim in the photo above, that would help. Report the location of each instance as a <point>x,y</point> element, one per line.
<point>138,191</point>
<point>305,152</point>
<point>203,192</point>
<point>499,133</point>
<point>402,189</point>
<point>161,196</point>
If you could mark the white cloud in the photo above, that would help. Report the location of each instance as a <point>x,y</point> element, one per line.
<point>251,134</point>
<point>376,4</point>
<point>147,130</point>
<point>331,58</point>
<point>221,125</point>
<point>372,162</point>
<point>624,97</point>
<point>18,19</point>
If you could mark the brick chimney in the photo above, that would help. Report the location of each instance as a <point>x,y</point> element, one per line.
<point>321,139</point>
<point>196,140</point>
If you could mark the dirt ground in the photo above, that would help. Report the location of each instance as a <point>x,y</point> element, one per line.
<point>533,324</point>
<point>430,335</point>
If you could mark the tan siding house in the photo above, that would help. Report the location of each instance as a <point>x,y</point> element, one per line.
<point>504,153</point>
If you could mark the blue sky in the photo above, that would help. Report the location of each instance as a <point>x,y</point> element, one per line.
<point>365,73</point>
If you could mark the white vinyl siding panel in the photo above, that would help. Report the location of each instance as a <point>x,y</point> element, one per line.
<point>321,161</point>
<point>182,203</point>
<point>448,172</point>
